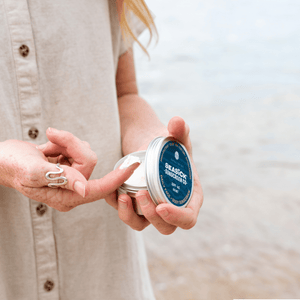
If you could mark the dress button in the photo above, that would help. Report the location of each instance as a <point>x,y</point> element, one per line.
<point>41,209</point>
<point>48,285</point>
<point>33,132</point>
<point>24,50</point>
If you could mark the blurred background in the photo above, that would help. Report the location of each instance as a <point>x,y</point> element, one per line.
<point>231,69</point>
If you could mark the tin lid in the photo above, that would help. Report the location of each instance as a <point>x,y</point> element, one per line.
<point>168,172</point>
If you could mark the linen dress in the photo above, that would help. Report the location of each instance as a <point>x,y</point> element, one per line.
<point>58,66</point>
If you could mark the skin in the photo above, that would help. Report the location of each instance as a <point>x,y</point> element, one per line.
<point>23,166</point>
<point>139,125</point>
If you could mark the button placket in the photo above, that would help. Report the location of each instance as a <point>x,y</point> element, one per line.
<point>30,111</point>
<point>44,249</point>
<point>26,68</point>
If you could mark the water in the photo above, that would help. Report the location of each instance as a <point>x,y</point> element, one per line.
<point>232,70</point>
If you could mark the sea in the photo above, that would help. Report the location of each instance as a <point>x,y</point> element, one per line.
<point>231,69</point>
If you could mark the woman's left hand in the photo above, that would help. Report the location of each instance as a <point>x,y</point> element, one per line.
<point>164,217</point>
<point>60,149</point>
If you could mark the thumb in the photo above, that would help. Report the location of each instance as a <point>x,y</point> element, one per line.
<point>180,131</point>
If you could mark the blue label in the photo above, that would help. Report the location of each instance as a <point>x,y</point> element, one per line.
<point>175,173</point>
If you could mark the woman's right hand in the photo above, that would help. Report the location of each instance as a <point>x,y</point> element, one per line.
<point>23,167</point>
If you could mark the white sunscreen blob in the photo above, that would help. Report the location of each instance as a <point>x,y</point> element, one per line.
<point>138,176</point>
<point>130,160</point>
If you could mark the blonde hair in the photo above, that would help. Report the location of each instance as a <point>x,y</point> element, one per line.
<point>140,9</point>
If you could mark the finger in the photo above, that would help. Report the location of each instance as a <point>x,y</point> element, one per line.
<point>70,144</point>
<point>59,159</point>
<point>128,215</point>
<point>76,181</point>
<point>54,160</point>
<point>64,160</point>
<point>100,188</point>
<point>111,200</point>
<point>59,199</point>
<point>65,143</point>
<point>185,218</point>
<point>149,210</point>
<point>180,131</point>
<point>87,144</point>
<point>94,190</point>
<point>52,150</point>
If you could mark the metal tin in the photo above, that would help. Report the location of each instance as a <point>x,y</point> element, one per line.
<point>168,173</point>
<point>128,189</point>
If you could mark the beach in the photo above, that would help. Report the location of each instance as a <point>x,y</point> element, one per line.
<point>231,69</point>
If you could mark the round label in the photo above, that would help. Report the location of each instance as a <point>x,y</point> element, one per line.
<point>175,173</point>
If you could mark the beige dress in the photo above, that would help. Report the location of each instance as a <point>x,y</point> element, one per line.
<point>58,62</point>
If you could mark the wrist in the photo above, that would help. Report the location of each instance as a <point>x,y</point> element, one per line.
<point>139,123</point>
<point>5,170</point>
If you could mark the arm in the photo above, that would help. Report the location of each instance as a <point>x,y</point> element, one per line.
<point>139,125</point>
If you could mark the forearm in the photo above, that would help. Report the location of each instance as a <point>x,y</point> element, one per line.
<point>139,123</point>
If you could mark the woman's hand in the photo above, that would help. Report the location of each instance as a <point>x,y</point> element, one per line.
<point>165,217</point>
<point>65,148</point>
<point>23,167</point>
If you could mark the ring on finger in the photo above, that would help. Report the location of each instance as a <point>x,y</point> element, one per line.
<point>51,179</point>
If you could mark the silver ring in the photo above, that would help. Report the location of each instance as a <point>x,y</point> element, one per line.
<point>56,184</point>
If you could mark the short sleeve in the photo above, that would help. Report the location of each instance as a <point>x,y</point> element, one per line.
<point>137,27</point>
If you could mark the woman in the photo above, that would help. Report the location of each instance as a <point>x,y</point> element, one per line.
<point>64,65</point>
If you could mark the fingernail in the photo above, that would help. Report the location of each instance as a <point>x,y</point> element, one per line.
<point>122,204</point>
<point>41,147</point>
<point>143,200</point>
<point>163,212</point>
<point>52,130</point>
<point>79,187</point>
<point>129,161</point>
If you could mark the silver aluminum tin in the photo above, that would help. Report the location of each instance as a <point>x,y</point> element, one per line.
<point>152,170</point>
<point>151,157</point>
<point>128,189</point>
